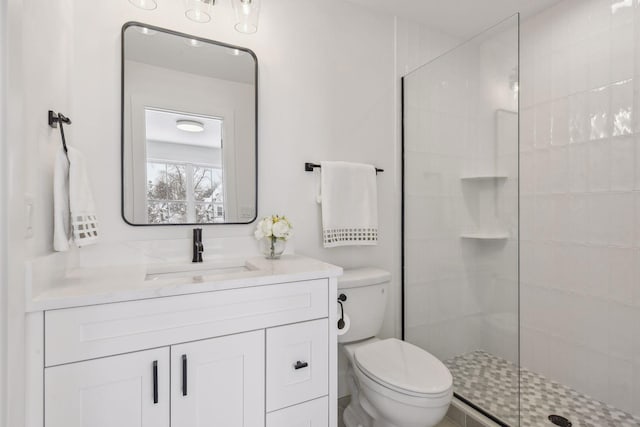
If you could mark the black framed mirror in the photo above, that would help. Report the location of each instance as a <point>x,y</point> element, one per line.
<point>189,129</point>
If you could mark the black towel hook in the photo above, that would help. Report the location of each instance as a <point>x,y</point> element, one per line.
<point>54,119</point>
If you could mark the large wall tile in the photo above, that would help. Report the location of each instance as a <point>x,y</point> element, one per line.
<point>622,163</point>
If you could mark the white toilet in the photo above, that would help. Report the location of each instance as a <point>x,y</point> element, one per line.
<point>392,383</point>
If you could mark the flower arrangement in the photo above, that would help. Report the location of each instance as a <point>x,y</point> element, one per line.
<point>273,231</point>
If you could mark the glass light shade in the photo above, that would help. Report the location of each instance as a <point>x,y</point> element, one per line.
<point>199,10</point>
<point>247,14</point>
<point>144,4</point>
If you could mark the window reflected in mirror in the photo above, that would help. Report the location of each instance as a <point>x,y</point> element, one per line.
<point>184,168</point>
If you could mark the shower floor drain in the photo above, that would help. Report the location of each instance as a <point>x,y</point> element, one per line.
<point>560,421</point>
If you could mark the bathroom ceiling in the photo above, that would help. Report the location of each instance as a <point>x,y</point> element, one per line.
<point>458,18</point>
<point>160,126</point>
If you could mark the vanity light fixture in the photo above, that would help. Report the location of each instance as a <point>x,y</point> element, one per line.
<point>144,4</point>
<point>199,10</point>
<point>247,14</point>
<point>190,125</point>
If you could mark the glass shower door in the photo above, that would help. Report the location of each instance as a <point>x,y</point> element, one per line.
<point>460,216</point>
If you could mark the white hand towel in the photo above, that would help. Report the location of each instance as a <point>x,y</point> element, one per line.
<point>75,216</point>
<point>61,212</point>
<point>349,204</point>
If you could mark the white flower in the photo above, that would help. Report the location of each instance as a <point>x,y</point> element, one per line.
<point>281,229</point>
<point>266,226</point>
<point>273,226</point>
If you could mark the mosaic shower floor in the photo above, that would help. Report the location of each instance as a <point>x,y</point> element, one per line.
<point>492,384</point>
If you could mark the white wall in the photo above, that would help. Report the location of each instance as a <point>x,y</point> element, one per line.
<point>580,197</point>
<point>415,45</point>
<point>13,182</point>
<point>3,216</point>
<point>326,93</point>
<point>316,102</point>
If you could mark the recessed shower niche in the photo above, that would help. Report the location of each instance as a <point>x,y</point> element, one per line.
<point>489,187</point>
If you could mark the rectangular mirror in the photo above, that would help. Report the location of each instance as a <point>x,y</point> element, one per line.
<point>189,129</point>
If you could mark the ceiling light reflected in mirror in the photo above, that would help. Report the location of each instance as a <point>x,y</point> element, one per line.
<point>146,31</point>
<point>190,125</point>
<point>193,43</point>
<point>144,4</point>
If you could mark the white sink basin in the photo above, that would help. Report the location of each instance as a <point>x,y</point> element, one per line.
<point>196,271</point>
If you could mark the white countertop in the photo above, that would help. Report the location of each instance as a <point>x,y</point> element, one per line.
<point>51,285</point>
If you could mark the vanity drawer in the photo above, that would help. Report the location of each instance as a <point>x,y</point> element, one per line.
<point>83,333</point>
<point>297,363</point>
<point>309,414</point>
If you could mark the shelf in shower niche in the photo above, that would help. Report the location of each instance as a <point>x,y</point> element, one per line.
<point>485,236</point>
<point>482,177</point>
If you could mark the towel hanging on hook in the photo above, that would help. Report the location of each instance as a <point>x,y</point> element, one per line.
<point>54,119</point>
<point>74,210</point>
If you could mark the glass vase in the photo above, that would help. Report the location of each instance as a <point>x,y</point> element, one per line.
<point>272,247</point>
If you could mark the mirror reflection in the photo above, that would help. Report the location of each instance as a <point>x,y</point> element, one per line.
<point>189,130</point>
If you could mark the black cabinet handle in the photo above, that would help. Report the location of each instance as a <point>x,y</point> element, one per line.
<point>184,374</point>
<point>300,365</point>
<point>155,381</point>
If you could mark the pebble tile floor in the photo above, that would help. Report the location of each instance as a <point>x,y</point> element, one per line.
<point>492,383</point>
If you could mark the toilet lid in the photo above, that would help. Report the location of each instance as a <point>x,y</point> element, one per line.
<point>403,366</point>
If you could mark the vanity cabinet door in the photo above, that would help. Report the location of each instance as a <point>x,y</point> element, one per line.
<point>218,382</point>
<point>130,390</point>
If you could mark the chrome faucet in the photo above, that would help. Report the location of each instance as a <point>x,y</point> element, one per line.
<point>198,247</point>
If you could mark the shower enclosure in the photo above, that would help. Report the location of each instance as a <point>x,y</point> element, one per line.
<point>460,207</point>
<point>521,216</point>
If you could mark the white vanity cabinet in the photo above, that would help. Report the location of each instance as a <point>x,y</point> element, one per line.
<point>297,363</point>
<point>131,390</point>
<point>218,382</point>
<point>249,357</point>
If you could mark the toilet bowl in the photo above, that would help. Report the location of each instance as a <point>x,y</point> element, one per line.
<point>392,383</point>
<point>400,385</point>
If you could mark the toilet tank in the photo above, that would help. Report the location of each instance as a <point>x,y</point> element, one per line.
<point>366,290</point>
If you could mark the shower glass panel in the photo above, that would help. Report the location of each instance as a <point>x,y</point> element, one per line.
<point>460,216</point>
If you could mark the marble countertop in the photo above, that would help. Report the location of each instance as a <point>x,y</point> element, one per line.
<point>54,286</point>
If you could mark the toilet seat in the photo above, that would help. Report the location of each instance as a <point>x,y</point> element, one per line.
<point>404,368</point>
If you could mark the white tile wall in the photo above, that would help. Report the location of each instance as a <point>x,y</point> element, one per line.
<point>580,197</point>
<point>462,294</point>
